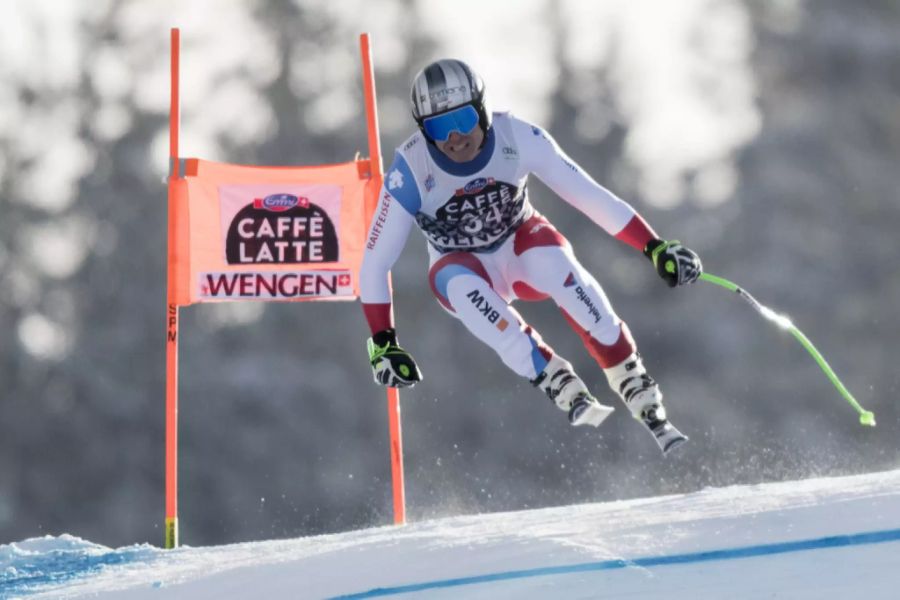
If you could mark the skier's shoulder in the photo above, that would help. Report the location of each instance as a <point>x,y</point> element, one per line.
<point>510,118</point>
<point>505,122</point>
<point>413,143</point>
<point>401,178</point>
<point>408,155</point>
<point>522,130</point>
<point>412,154</point>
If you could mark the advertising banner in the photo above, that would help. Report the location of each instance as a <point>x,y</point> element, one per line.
<point>271,233</point>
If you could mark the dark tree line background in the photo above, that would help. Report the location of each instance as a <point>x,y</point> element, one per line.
<point>282,431</point>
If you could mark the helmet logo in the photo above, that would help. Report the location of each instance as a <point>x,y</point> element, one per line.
<point>460,89</point>
<point>444,98</point>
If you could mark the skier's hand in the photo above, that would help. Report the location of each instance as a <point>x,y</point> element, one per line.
<point>676,264</point>
<point>391,365</point>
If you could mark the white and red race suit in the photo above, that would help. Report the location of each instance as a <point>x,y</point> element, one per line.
<point>488,245</point>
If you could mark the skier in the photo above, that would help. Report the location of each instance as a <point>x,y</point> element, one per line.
<point>462,179</point>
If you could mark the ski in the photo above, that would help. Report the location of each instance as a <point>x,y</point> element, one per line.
<point>586,410</point>
<point>667,436</point>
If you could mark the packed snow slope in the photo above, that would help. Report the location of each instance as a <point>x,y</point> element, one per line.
<point>819,538</point>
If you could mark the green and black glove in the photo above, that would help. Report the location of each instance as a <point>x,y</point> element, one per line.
<point>676,264</point>
<point>391,365</point>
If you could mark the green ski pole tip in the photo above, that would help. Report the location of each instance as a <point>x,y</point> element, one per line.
<point>867,417</point>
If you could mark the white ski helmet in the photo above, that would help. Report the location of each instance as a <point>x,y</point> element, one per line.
<point>446,85</point>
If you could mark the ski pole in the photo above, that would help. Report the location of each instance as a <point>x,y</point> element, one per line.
<point>865,417</point>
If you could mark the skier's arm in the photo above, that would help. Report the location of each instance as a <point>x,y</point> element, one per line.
<point>676,264</point>
<point>399,201</point>
<point>391,365</point>
<point>546,159</point>
<point>387,235</point>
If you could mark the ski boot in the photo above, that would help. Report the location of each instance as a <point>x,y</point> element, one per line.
<point>641,395</point>
<point>568,392</point>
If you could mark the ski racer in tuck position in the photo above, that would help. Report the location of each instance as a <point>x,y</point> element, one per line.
<point>462,179</point>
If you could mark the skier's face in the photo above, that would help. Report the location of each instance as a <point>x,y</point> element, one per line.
<point>462,147</point>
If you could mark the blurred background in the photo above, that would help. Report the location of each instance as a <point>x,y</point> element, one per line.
<point>763,134</point>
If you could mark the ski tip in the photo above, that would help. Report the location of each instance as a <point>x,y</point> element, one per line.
<point>593,415</point>
<point>674,443</point>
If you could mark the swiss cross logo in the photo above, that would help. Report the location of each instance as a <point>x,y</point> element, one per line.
<point>343,280</point>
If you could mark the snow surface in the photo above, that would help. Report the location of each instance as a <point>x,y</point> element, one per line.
<point>819,538</point>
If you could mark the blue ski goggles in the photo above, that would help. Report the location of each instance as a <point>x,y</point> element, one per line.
<point>463,120</point>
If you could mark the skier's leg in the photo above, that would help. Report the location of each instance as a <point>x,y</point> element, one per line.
<point>547,266</point>
<point>554,270</point>
<point>463,287</point>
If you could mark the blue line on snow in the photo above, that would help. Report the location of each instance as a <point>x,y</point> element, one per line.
<point>836,541</point>
<point>30,574</point>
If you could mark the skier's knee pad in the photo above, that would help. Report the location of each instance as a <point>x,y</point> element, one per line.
<point>609,343</point>
<point>450,266</point>
<point>611,346</point>
<point>608,331</point>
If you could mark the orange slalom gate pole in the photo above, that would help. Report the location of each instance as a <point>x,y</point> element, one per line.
<point>371,108</point>
<point>393,395</point>
<point>393,405</point>
<point>171,523</point>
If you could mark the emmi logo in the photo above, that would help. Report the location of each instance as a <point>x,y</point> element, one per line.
<point>476,185</point>
<point>280,202</point>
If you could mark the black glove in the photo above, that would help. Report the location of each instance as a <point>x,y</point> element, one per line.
<point>391,365</point>
<point>676,264</point>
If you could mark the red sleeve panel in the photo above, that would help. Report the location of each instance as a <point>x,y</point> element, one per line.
<point>637,233</point>
<point>380,316</point>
